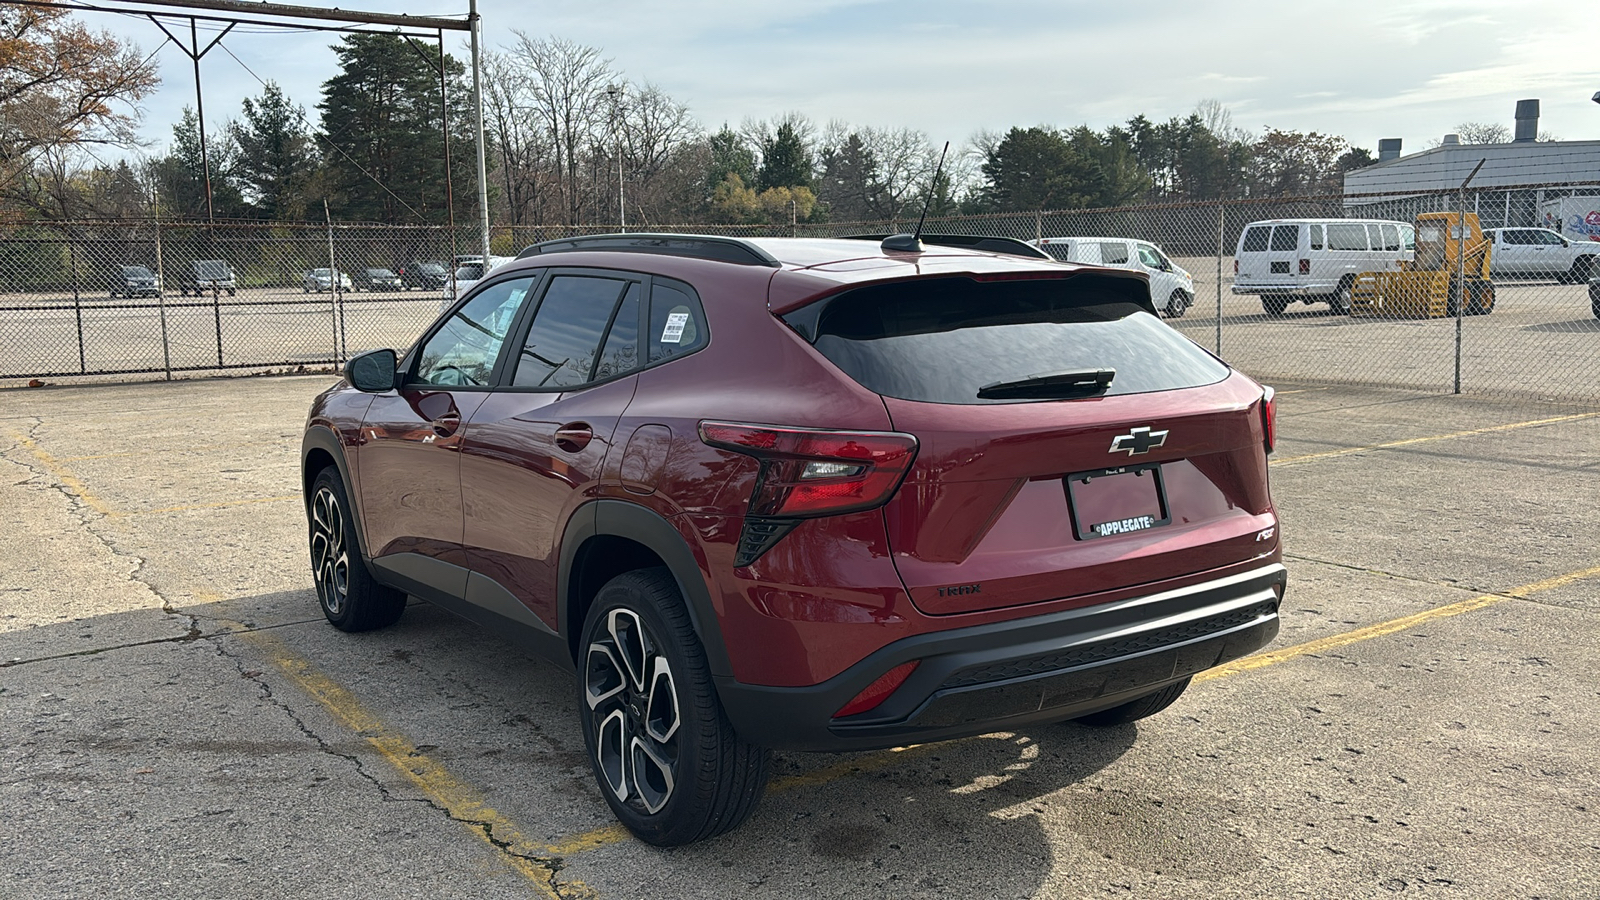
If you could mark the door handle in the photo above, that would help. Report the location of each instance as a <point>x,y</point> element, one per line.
<point>446,425</point>
<point>573,438</point>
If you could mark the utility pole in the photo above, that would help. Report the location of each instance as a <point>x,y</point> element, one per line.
<point>475,24</point>
<point>615,92</point>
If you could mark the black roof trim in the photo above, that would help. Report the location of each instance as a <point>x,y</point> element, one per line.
<point>989,242</point>
<point>699,246</point>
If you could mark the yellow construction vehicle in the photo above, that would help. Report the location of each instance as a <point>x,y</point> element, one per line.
<point>1450,263</point>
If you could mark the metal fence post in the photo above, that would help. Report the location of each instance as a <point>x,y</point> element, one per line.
<point>1222,220</point>
<point>1460,292</point>
<point>161,301</point>
<point>335,305</point>
<point>77,300</point>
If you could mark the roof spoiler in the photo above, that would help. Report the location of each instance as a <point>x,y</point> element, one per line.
<point>985,242</point>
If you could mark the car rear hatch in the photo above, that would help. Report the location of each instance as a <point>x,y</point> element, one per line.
<point>1070,443</point>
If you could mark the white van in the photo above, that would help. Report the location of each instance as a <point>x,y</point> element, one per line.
<point>469,271</point>
<point>1171,287</point>
<point>1315,260</point>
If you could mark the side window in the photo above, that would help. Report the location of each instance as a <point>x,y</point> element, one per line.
<point>1550,237</point>
<point>1255,239</point>
<point>677,324</point>
<point>565,336</point>
<point>1391,237</point>
<point>1408,239</point>
<point>1317,242</point>
<point>1149,256</point>
<point>621,349</point>
<point>1286,237</point>
<point>462,353</point>
<point>1347,237</point>
<point>1515,236</point>
<point>1113,254</point>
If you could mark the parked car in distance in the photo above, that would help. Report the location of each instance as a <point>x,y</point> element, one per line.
<point>319,280</point>
<point>427,276</point>
<point>207,276</point>
<point>1540,253</point>
<point>135,281</point>
<point>804,494</point>
<point>470,272</point>
<point>1315,260</point>
<point>1171,286</point>
<point>377,280</point>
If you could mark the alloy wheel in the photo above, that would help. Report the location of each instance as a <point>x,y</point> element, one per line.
<point>633,701</point>
<point>330,557</point>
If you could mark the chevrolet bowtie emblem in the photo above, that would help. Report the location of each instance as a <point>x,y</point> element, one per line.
<point>1139,440</point>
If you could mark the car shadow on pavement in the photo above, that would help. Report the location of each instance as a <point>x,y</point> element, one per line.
<point>1576,326</point>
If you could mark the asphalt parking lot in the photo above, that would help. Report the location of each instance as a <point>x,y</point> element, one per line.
<point>180,722</point>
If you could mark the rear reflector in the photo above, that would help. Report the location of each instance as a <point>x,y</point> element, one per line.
<point>878,691</point>
<point>1236,267</point>
<point>1305,267</point>
<point>1269,418</point>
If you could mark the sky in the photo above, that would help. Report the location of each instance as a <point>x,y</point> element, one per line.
<point>1364,70</point>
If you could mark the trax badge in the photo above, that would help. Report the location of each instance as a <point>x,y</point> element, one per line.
<point>1139,440</point>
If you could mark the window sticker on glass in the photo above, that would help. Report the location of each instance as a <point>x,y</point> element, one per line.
<point>673,333</point>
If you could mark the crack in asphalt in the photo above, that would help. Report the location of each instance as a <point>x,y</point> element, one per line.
<point>549,866</point>
<point>185,638</point>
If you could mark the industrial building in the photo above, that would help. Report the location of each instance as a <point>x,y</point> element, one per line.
<point>1517,185</point>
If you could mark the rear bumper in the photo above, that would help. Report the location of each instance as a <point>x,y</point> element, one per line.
<point>1011,674</point>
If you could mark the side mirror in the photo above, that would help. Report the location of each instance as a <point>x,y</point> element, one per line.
<point>372,372</point>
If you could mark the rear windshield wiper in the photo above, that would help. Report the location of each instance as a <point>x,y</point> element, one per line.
<point>1050,387</point>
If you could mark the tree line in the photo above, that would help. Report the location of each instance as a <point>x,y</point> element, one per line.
<point>572,141</point>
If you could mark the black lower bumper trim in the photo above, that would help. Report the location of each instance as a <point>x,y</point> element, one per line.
<point>1008,674</point>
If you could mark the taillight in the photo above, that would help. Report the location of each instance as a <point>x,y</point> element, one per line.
<point>809,472</point>
<point>878,691</point>
<point>1269,418</point>
<point>1305,267</point>
<point>1236,267</point>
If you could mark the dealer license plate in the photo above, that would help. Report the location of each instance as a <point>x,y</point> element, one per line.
<point>1117,501</point>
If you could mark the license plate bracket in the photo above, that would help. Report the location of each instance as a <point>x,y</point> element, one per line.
<point>1122,500</point>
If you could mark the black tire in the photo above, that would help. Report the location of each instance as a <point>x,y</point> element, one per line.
<point>349,596</point>
<point>1480,298</point>
<point>1582,269</point>
<point>1136,709</point>
<point>1273,304</point>
<point>677,783</point>
<point>232,291</point>
<point>1178,303</point>
<point>1340,300</point>
<point>1594,298</point>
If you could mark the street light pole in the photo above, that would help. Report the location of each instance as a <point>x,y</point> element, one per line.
<point>615,92</point>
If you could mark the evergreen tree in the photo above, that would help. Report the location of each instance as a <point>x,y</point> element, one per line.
<point>786,160</point>
<point>276,160</point>
<point>180,175</point>
<point>381,120</point>
<point>730,155</point>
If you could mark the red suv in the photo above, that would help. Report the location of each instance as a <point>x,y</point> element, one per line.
<point>804,494</point>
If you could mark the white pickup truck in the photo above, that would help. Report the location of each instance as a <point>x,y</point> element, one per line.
<point>1541,253</point>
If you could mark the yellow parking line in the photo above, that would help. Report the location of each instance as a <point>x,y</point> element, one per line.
<point>1322,645</point>
<point>459,800</point>
<point>1436,437</point>
<point>61,474</point>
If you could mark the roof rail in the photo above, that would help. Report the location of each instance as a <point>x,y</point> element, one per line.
<point>987,242</point>
<point>699,246</point>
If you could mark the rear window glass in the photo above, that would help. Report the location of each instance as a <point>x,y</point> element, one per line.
<point>1315,230</point>
<point>1113,254</point>
<point>1285,237</point>
<point>942,340</point>
<point>1255,240</point>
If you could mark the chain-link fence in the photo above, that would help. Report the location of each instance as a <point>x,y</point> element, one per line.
<point>1377,290</point>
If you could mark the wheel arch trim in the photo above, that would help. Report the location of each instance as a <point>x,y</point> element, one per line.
<point>618,518</point>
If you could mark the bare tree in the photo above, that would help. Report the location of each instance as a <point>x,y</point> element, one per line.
<point>567,83</point>
<point>656,132</point>
<point>520,138</point>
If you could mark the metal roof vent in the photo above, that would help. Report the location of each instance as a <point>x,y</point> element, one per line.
<point>1527,122</point>
<point>1388,148</point>
<point>1452,140</point>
